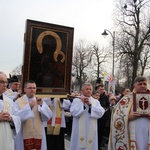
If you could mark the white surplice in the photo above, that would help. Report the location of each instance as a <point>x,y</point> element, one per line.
<point>57,141</point>
<point>77,110</point>
<point>65,105</point>
<point>7,134</point>
<point>9,93</point>
<point>26,113</point>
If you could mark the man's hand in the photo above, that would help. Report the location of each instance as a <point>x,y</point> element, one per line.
<point>19,93</point>
<point>85,100</point>
<point>5,116</point>
<point>32,103</point>
<point>82,98</point>
<point>17,96</point>
<point>39,101</point>
<point>133,116</point>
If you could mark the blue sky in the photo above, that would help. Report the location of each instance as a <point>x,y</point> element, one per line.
<point>88,18</point>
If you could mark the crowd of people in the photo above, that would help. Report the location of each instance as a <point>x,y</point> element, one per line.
<point>95,118</point>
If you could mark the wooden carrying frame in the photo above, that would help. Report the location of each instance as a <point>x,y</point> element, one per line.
<point>141,103</point>
<point>48,57</point>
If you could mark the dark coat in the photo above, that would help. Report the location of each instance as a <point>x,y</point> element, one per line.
<point>105,104</point>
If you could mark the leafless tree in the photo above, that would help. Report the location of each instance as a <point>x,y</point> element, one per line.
<point>134,32</point>
<point>16,70</point>
<point>81,60</point>
<point>99,56</point>
<point>144,60</point>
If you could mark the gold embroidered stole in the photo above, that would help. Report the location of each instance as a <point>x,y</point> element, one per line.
<point>119,135</point>
<point>55,130</point>
<point>92,130</point>
<point>83,141</point>
<point>82,131</point>
<point>6,137</point>
<point>32,128</point>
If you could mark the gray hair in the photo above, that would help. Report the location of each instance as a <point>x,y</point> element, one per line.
<point>86,84</point>
<point>140,78</point>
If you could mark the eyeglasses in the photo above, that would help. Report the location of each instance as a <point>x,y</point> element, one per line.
<point>3,82</point>
<point>30,88</point>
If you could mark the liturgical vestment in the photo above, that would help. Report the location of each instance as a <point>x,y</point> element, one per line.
<point>84,128</point>
<point>7,134</point>
<point>125,134</point>
<point>26,113</point>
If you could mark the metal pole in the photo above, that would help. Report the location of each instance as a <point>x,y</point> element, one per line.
<point>113,44</point>
<point>113,54</point>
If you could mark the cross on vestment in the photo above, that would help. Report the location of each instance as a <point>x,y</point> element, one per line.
<point>82,138</point>
<point>90,141</point>
<point>132,147</point>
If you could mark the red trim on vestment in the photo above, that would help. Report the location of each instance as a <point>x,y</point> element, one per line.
<point>32,143</point>
<point>57,121</point>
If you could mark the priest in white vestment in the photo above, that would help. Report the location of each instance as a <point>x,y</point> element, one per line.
<point>56,125</point>
<point>9,123</point>
<point>129,130</point>
<point>14,91</point>
<point>33,113</point>
<point>85,111</point>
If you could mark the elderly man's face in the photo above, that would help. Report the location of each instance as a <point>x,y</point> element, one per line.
<point>3,83</point>
<point>87,91</point>
<point>141,86</point>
